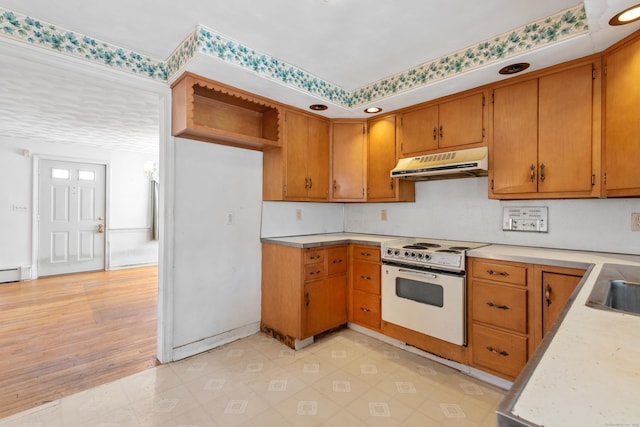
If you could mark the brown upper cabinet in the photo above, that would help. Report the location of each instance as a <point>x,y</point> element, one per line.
<point>210,111</point>
<point>458,121</point>
<point>622,119</point>
<point>348,160</point>
<point>300,170</point>
<point>381,158</point>
<point>546,142</point>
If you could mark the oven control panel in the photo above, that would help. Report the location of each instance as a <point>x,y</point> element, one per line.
<point>424,257</point>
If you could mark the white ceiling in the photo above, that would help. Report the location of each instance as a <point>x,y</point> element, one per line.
<point>347,43</point>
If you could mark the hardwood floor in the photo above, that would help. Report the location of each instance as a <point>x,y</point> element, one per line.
<point>63,334</point>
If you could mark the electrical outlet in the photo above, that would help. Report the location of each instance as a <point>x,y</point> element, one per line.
<point>635,221</point>
<point>229,218</point>
<point>298,214</point>
<point>383,214</point>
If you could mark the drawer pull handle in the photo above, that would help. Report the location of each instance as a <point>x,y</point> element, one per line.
<point>501,307</point>
<point>337,261</point>
<point>366,310</point>
<point>365,277</point>
<point>314,257</point>
<point>365,253</point>
<point>501,353</point>
<point>498,273</point>
<point>313,273</point>
<point>306,299</point>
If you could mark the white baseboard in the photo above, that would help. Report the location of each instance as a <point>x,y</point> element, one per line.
<point>207,344</point>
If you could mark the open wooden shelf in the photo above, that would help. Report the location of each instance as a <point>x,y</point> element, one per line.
<point>210,111</point>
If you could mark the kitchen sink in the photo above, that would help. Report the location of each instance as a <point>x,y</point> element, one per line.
<point>617,289</point>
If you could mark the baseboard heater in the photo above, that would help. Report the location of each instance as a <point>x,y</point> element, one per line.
<point>17,274</point>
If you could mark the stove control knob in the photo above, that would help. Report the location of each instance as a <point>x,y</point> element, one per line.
<point>396,252</point>
<point>420,255</point>
<point>427,257</point>
<point>413,254</point>
<point>389,251</point>
<point>406,254</point>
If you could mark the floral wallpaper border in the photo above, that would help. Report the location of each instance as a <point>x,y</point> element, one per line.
<point>560,26</point>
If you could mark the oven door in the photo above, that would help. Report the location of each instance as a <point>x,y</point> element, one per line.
<point>429,302</point>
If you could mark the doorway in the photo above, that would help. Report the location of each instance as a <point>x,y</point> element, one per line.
<point>71,217</point>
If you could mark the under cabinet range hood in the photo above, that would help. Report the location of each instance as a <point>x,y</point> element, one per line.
<point>452,164</point>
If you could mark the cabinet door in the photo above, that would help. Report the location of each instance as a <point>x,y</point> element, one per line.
<point>381,158</point>
<point>514,150</point>
<point>337,310</point>
<point>296,135</point>
<point>317,300</point>
<point>622,121</point>
<point>556,290</point>
<point>317,159</point>
<point>565,129</point>
<point>419,131</point>
<point>461,121</point>
<point>349,159</point>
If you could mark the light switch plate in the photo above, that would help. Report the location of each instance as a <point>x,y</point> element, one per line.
<point>534,219</point>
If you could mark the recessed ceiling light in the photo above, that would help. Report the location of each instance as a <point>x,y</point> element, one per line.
<point>372,110</point>
<point>514,68</point>
<point>318,107</point>
<point>627,16</point>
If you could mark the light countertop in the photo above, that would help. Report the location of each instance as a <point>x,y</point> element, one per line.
<point>314,240</point>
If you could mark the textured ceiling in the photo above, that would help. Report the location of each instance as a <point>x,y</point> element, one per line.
<point>48,104</point>
<point>345,45</point>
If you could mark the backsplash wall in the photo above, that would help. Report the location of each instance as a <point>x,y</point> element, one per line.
<point>460,210</point>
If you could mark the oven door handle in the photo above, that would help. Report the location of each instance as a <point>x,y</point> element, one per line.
<point>422,273</point>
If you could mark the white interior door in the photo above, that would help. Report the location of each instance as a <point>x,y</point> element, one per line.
<point>71,215</point>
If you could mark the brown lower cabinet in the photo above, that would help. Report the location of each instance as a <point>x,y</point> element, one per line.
<point>511,307</point>
<point>304,291</point>
<point>365,286</point>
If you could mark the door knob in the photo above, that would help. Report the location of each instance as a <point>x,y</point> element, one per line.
<point>100,228</point>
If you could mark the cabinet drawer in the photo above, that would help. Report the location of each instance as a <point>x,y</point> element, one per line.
<point>501,306</point>
<point>366,277</point>
<point>366,309</point>
<point>337,258</point>
<point>498,272</point>
<point>367,253</point>
<point>499,351</point>
<point>314,271</point>
<point>314,256</point>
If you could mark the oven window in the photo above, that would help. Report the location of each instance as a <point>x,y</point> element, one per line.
<point>422,292</point>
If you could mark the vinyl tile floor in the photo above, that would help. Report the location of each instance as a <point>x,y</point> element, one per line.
<point>343,379</point>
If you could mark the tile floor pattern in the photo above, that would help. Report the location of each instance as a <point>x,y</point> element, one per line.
<point>344,379</point>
